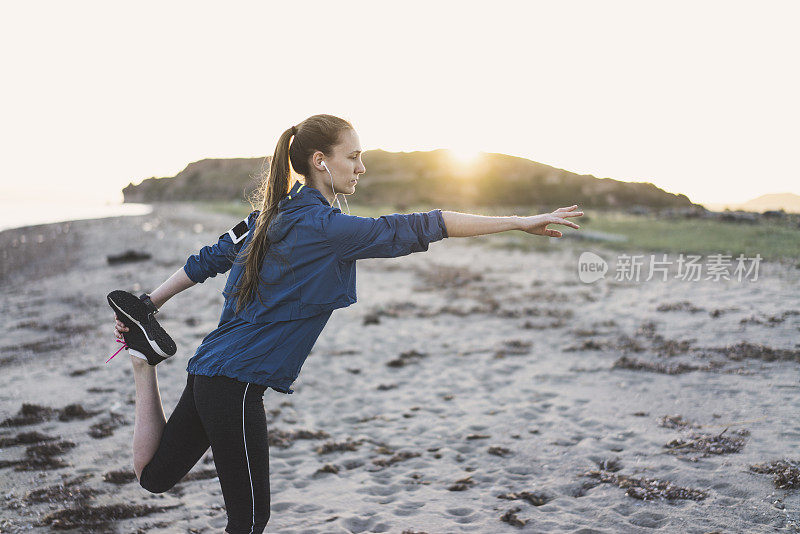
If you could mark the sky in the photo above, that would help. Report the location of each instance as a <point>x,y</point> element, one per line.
<point>697,97</point>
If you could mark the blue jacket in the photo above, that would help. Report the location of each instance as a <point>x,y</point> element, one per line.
<point>310,270</point>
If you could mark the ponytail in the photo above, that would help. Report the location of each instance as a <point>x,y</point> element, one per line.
<point>275,186</point>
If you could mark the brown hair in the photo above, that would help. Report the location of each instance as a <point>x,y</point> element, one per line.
<point>318,132</point>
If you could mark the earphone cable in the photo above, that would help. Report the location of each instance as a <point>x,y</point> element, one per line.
<point>335,194</point>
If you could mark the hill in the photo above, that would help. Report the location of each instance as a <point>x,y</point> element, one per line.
<point>774,201</point>
<point>422,177</point>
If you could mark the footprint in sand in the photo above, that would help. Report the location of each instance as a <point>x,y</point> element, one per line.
<point>281,506</point>
<point>306,508</point>
<point>460,512</point>
<point>382,491</point>
<point>520,469</point>
<point>405,512</point>
<point>648,520</point>
<point>360,524</point>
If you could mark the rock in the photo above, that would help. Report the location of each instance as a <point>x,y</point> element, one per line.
<point>127,257</point>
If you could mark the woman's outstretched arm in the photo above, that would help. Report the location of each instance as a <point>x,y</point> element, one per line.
<point>173,285</point>
<point>468,224</point>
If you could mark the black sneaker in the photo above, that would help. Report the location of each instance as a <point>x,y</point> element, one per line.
<point>145,337</point>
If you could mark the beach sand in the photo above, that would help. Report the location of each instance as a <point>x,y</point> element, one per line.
<point>471,389</point>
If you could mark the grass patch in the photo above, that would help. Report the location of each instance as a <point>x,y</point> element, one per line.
<point>772,240</point>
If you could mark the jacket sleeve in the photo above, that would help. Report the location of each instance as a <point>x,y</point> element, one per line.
<point>218,258</point>
<point>388,236</point>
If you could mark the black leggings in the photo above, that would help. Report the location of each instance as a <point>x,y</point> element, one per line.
<point>229,416</point>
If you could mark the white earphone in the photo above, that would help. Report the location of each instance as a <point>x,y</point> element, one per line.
<point>335,194</point>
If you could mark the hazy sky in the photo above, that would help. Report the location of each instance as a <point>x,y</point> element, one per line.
<point>698,97</point>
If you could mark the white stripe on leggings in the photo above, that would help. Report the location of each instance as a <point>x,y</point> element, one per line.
<point>253,524</point>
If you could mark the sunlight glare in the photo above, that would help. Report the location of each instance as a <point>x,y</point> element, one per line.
<point>464,157</point>
<point>464,162</point>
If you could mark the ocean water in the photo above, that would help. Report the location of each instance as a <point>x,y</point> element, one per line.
<point>15,212</point>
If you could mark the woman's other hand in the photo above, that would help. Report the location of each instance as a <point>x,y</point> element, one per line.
<point>119,328</point>
<point>537,224</point>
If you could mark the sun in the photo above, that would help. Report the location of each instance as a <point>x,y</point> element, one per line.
<point>464,158</point>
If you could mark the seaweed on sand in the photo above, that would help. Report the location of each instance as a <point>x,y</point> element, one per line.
<point>676,421</point>
<point>327,468</point>
<point>29,414</point>
<point>285,438</point>
<point>411,356</point>
<point>786,473</point>
<point>446,276</point>
<point>106,427</point>
<point>511,518</point>
<point>536,499</point>
<point>514,347</point>
<point>683,305</point>
<point>587,344</point>
<point>121,476</point>
<point>95,517</point>
<point>24,438</point>
<point>647,489</point>
<point>76,411</point>
<point>41,456</point>
<point>757,351</point>
<point>462,484</point>
<point>499,451</point>
<point>669,369</point>
<point>609,464</point>
<point>202,474</point>
<point>333,446</point>
<point>709,443</point>
<point>671,347</point>
<point>65,491</point>
<point>399,457</point>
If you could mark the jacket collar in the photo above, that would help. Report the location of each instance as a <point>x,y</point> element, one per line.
<point>290,209</point>
<point>300,190</point>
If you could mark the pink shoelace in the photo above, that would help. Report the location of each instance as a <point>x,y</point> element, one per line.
<point>124,346</point>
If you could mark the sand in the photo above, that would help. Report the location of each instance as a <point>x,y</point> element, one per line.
<point>471,389</point>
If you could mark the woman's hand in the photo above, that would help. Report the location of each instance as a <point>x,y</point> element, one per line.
<point>537,224</point>
<point>119,328</point>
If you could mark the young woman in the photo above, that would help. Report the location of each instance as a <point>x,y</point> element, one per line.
<point>291,264</point>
